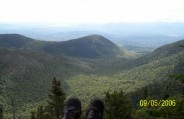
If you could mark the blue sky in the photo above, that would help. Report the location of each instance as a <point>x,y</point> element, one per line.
<point>91,11</point>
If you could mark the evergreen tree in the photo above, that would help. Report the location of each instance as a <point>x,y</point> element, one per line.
<point>117,106</point>
<point>13,108</point>
<point>166,93</point>
<point>179,77</point>
<point>1,112</point>
<point>56,99</point>
<point>145,95</point>
<point>33,115</point>
<point>40,112</point>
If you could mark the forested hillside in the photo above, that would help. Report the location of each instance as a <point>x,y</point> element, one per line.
<point>26,71</point>
<point>92,46</point>
<point>26,75</point>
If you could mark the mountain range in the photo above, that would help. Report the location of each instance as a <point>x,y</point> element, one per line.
<point>87,67</point>
<point>139,37</point>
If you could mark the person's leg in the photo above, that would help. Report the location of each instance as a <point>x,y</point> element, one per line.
<point>95,110</point>
<point>72,109</point>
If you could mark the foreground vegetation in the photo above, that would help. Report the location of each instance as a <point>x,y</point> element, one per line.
<point>118,105</point>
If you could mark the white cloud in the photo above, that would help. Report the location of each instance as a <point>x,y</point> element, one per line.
<point>81,11</point>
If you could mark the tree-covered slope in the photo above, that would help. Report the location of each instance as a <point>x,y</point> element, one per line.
<point>14,40</point>
<point>130,75</point>
<point>25,75</point>
<point>92,46</point>
<point>165,51</point>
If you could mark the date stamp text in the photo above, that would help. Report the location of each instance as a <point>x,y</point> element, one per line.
<point>156,103</point>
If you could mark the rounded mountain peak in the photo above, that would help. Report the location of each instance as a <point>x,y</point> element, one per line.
<point>91,46</point>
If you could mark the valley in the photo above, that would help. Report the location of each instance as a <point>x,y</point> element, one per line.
<point>87,67</point>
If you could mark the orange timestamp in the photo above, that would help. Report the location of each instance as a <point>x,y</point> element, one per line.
<point>155,103</point>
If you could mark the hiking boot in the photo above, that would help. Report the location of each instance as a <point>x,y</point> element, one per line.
<point>95,110</point>
<point>72,109</point>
